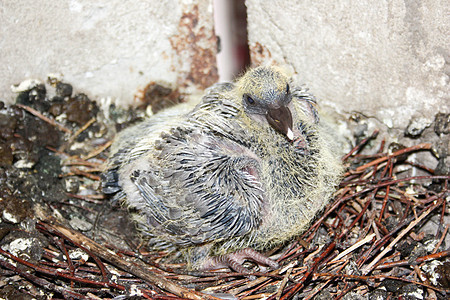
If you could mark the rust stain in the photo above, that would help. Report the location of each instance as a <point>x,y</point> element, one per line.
<point>259,54</point>
<point>196,44</point>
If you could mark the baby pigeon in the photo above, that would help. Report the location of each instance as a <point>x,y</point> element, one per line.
<point>245,169</point>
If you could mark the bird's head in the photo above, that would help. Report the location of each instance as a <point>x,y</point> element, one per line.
<point>266,95</point>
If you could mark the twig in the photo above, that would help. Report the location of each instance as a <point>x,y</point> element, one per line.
<point>77,133</point>
<point>353,247</point>
<point>406,262</point>
<point>97,151</point>
<point>42,282</point>
<point>81,162</point>
<point>374,277</point>
<point>76,171</point>
<point>361,144</point>
<point>424,146</point>
<point>58,273</point>
<point>386,197</point>
<point>441,239</point>
<point>370,267</point>
<point>135,268</point>
<point>283,284</point>
<point>44,118</point>
<point>309,273</point>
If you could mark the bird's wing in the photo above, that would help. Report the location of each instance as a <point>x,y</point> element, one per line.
<point>307,103</point>
<point>199,184</point>
<point>133,142</point>
<point>206,188</point>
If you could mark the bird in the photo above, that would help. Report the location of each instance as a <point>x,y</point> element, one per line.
<point>245,169</point>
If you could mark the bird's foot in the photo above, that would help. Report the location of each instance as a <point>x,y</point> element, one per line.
<point>235,260</point>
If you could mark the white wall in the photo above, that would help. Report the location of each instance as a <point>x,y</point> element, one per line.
<point>108,47</point>
<point>386,59</point>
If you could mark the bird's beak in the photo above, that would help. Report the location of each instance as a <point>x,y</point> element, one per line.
<point>281,120</point>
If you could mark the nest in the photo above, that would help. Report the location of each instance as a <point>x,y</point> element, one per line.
<point>383,234</point>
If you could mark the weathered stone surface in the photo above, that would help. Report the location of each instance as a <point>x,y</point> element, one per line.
<point>108,48</point>
<point>388,60</point>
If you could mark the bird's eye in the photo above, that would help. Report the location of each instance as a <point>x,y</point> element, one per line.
<point>249,99</point>
<point>287,88</point>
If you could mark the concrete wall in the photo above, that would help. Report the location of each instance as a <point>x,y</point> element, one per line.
<point>108,47</point>
<point>386,59</point>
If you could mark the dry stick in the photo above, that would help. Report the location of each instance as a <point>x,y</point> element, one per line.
<point>419,166</point>
<point>374,248</point>
<point>353,247</point>
<point>341,200</point>
<point>361,144</point>
<point>388,188</point>
<point>423,146</point>
<point>369,268</point>
<point>100,265</point>
<point>373,277</point>
<point>97,151</point>
<point>308,274</point>
<point>227,286</point>
<point>424,279</point>
<point>247,294</point>
<point>76,171</point>
<point>283,283</point>
<point>382,228</point>
<point>441,239</point>
<point>87,198</point>
<point>441,221</point>
<point>257,296</point>
<point>250,284</point>
<point>331,279</point>
<point>317,289</point>
<point>360,215</point>
<point>42,282</point>
<point>44,118</point>
<point>348,288</point>
<point>62,246</point>
<point>77,133</point>
<point>82,162</point>
<point>388,235</point>
<point>57,273</point>
<point>419,260</point>
<point>136,269</point>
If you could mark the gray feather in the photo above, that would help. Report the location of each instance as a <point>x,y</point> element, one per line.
<point>219,173</point>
